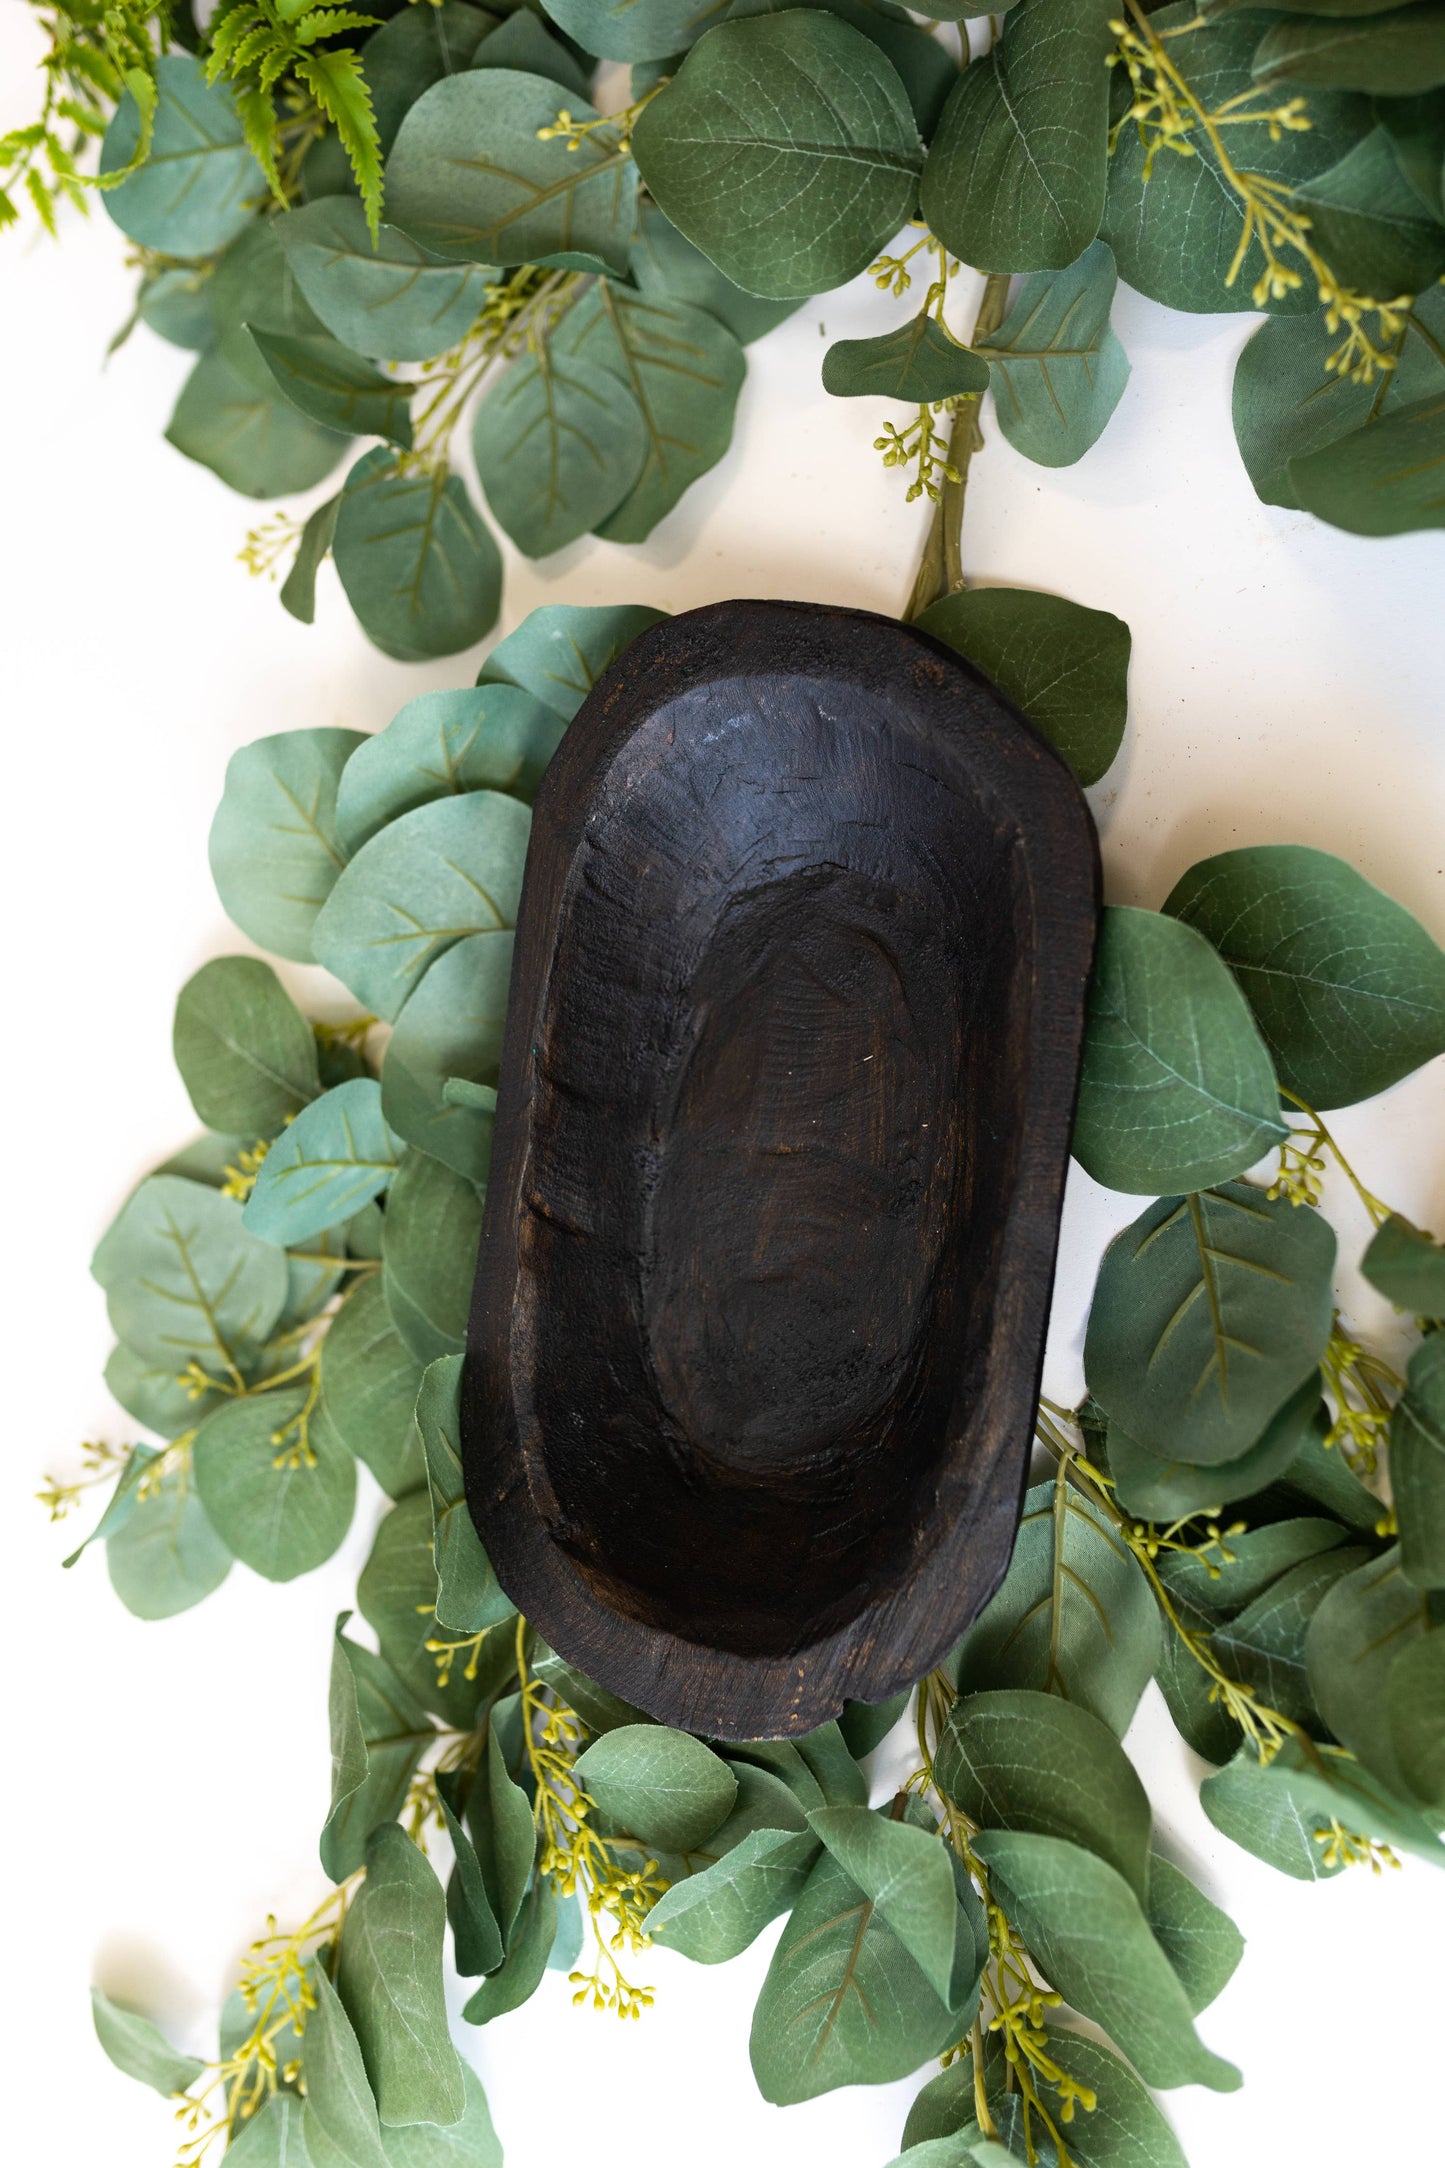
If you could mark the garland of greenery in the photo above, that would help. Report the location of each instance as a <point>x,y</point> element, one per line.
<point>290,1294</point>
<point>302,185</point>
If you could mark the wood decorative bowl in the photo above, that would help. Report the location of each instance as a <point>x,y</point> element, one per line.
<point>790,1064</point>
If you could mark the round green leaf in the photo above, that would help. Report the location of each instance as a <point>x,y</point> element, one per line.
<point>1177,1090</point>
<point>1416,1696</point>
<point>667,267</point>
<point>446,870</point>
<point>152,1392</point>
<point>419,565</point>
<point>140,2049</point>
<point>166,1557</point>
<point>559,441</point>
<point>1284,1812</point>
<point>1058,371</point>
<point>450,1028</point>
<point>1417,1466</point>
<point>275,852</point>
<point>1209,1312</point>
<point>390,1982</point>
<point>176,304</point>
<point>186,1281</point>
<point>1370,225</point>
<point>664,1787</point>
<point>715,1914</point>
<point>433,1226</point>
<point>232,417</point>
<point>246,1054</point>
<point>1357,1633</point>
<point>637,30</point>
<point>493,737</point>
<point>254,286</point>
<point>199,184</point>
<point>1379,480</point>
<point>919,363</point>
<point>1067,667</point>
<point>369,1384</point>
<point>1166,1490</point>
<point>785,149</point>
<point>1394,54</point>
<point>335,1157</point>
<point>559,651</point>
<point>1348,989</point>
<point>395,300</point>
<point>419,47</point>
<point>324,380</point>
<point>280,1498</point>
<point>1407,1267</point>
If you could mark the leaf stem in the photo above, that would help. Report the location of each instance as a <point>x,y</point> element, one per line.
<point>941,570</point>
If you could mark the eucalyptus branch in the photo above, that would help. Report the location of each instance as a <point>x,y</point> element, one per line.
<point>941,570</point>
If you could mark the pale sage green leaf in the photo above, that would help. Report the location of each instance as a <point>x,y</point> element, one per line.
<point>246,1054</point>
<point>1016,171</point>
<point>1058,370</point>
<point>154,1393</point>
<point>166,1557</point>
<point>396,1595</point>
<point>442,745</point>
<point>684,370</point>
<point>716,1914</point>
<point>636,29</point>
<point>327,382</point>
<point>1416,1696</point>
<point>1417,1466</point>
<point>139,2048</point>
<point>1356,1634</point>
<point>520,1974</point>
<point>919,363</point>
<point>471,176</point>
<point>785,149</point>
<point>1265,1645</point>
<point>1074,1616</point>
<point>666,266</point>
<point>1092,1941</point>
<point>1209,1312</point>
<point>559,441</point>
<point>198,184</point>
<point>450,1030</point>
<point>185,1281</point>
<point>433,1226</point>
<point>427,879</point>
<point>1407,1267</point>
<point>505,1835</point>
<point>470,2143</point>
<point>273,2136</point>
<point>905,1874</point>
<point>664,1787</point>
<point>468,1597</point>
<point>843,2002</point>
<point>1022,1760</point>
<point>416,48</point>
<point>274,847</point>
<point>420,566</point>
<point>1285,1812</point>
<point>390,1981</point>
<point>393,300</point>
<point>379,1732</point>
<point>1347,987</point>
<point>233,417</point>
<point>122,1501</point>
<point>476,1937</point>
<point>278,1485</point>
<point>1177,1090</point>
<point>1157,1489</point>
<point>369,1384</point>
<point>340,2110</point>
<point>559,651</point>
<point>1201,1943</point>
<point>335,1157</point>
<point>175,304</point>
<point>1066,666</point>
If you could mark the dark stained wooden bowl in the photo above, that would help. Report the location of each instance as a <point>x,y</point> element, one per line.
<point>783,1120</point>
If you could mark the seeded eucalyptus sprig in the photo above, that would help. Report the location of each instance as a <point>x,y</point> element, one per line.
<point>290,1297</point>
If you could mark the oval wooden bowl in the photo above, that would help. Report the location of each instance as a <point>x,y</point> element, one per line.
<point>782,1125</point>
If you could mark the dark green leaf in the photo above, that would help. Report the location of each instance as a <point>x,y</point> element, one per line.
<point>1417,1466</point>
<point>275,853</point>
<point>866,1724</point>
<point>1165,1490</point>
<point>664,1787</point>
<point>335,1157</point>
<point>1416,1696</point>
<point>520,42</point>
<point>185,1281</point>
<point>1416,129</point>
<point>253,286</point>
<point>369,1384</point>
<point>1075,1615</point>
<point>1021,1760</point>
<point>635,29</point>
<point>920,363</point>
<point>1209,1313</point>
<point>1058,371</point>
<point>1394,54</point>
<point>395,301</point>
<point>1202,1943</point>
<point>419,47</point>
<point>468,1598</point>
<point>379,1732</point>
<point>559,441</point>
<point>1177,1090</point>
<point>1355,1636</point>
<point>666,267</point>
<point>526,1961</point>
<point>559,651</point>
<point>199,184</point>
<point>1348,988</point>
<point>1265,1646</point>
<point>390,1981</point>
<point>926,69</point>
<point>396,1595</point>
<point>140,2049</point>
<point>1066,666</point>
<point>1385,479</point>
<point>1369,224</point>
<point>433,1226</point>
<point>905,1874</point>
<point>419,565</point>
<point>801,120</point>
<point>166,1557</point>
<point>1230,1575</point>
<point>1407,1267</point>
<point>471,177</point>
<point>324,380</point>
<point>1125,2129</point>
<point>476,1937</point>
<point>1016,173</point>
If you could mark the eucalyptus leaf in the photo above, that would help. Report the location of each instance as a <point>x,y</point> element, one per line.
<point>335,1157</point>
<point>198,184</point>
<point>427,879</point>
<point>919,363</point>
<point>139,2048</point>
<point>390,1981</point>
<point>253,286</point>
<point>166,1557</point>
<point>1016,172</point>
<point>1228,1576</point>
<point>1407,1267</point>
<point>684,370</point>
<point>1057,369</point>
<point>275,851</point>
<point>1074,1616</point>
<point>1347,987</point>
<point>1416,1700</point>
<point>526,1961</point>
<point>396,1595</point>
<point>1417,1466</point>
<point>379,1732</point>
<point>666,267</point>
<point>278,1485</point>
<point>298,589</point>
<point>926,69</point>
<point>1093,1943</point>
<point>1166,1490</point>
<point>1023,1760</point>
<point>785,149</point>
<point>185,1281</point>
<point>327,382</point>
<point>521,198</point>
<point>175,304</point>
<point>1284,1811</point>
<point>468,1597</point>
<point>1380,480</point>
<point>635,29</point>
<point>419,47</point>
<point>1416,129</point>
<point>443,744</point>
<point>232,417</point>
<point>505,1835</point>
<point>905,1874</point>
<point>1177,1090</point>
<point>1066,666</point>
<point>1201,1943</point>
<point>369,1384</point>
<point>1369,224</point>
<point>1265,1645</point>
<point>1210,1311</point>
<point>340,2110</point>
<point>866,1724</point>
<point>825,1754</point>
<point>393,300</point>
<point>559,651</point>
<point>1356,1634</point>
<point>716,1914</point>
<point>433,1226</point>
<point>418,563</point>
<point>470,2143</point>
<point>520,41</point>
<point>450,1029</point>
<point>663,1786</point>
<point>476,1938</point>
<point>1395,53</point>
<point>122,1501</point>
<point>273,2136</point>
<point>559,441</point>
<point>1124,2129</point>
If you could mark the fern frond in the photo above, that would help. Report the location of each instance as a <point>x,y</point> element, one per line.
<point>258,123</point>
<point>227,32</point>
<point>329,23</point>
<point>254,46</point>
<point>340,89</point>
<point>42,199</point>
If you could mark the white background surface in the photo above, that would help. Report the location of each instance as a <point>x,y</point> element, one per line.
<point>166,1782</point>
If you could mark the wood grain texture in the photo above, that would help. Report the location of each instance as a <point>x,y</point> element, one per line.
<point>790,1064</point>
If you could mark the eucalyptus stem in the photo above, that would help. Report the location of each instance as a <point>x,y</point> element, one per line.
<point>941,569</point>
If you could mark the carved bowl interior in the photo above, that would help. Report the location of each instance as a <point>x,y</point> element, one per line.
<point>791,1056</point>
